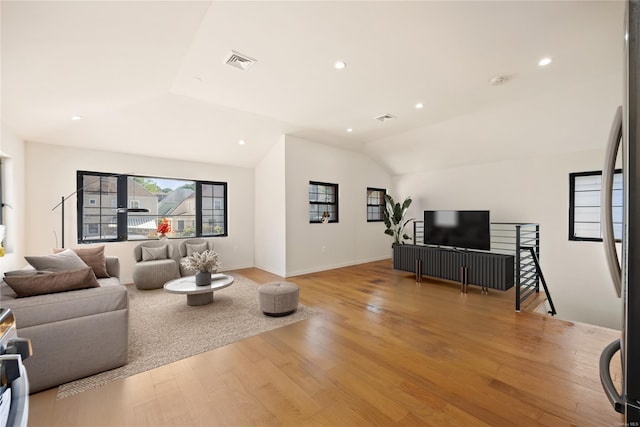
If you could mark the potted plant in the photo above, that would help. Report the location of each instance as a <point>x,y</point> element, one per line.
<point>204,263</point>
<point>393,215</point>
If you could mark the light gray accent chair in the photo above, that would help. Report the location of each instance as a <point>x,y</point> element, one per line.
<point>154,265</point>
<point>74,334</point>
<point>188,246</point>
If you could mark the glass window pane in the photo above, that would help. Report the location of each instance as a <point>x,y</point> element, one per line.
<point>588,183</point>
<point>323,198</point>
<point>617,181</point>
<point>617,230</point>
<point>375,203</point>
<point>213,214</point>
<point>173,199</point>
<point>587,230</point>
<point>617,197</point>
<point>586,205</point>
<point>589,198</point>
<point>587,214</point>
<point>97,193</point>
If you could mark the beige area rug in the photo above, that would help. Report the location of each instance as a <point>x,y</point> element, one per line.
<point>164,329</point>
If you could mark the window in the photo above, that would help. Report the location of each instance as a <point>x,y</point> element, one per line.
<point>375,204</point>
<point>323,202</point>
<point>213,209</point>
<point>186,204</point>
<point>584,205</point>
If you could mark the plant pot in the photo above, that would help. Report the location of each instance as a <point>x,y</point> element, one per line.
<point>203,278</point>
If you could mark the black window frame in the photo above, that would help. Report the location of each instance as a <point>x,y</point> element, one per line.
<point>380,205</point>
<point>333,218</point>
<point>572,194</point>
<point>121,218</point>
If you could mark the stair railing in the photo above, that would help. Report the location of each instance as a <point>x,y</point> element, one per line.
<point>522,240</point>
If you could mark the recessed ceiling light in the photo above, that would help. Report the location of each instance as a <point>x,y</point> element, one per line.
<point>419,105</point>
<point>76,117</point>
<point>241,142</point>
<point>349,130</point>
<point>544,61</point>
<point>340,65</point>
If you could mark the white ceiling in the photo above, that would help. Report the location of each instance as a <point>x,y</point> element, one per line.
<point>148,77</point>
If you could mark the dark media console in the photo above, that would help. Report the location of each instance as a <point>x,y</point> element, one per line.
<point>489,270</point>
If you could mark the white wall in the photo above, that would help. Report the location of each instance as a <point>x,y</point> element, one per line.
<point>315,247</point>
<point>531,190</point>
<point>13,187</point>
<point>51,173</point>
<point>270,213</point>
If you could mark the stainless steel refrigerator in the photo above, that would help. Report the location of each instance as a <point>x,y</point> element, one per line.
<point>624,133</point>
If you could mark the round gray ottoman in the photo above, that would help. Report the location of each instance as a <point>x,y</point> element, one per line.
<point>278,298</point>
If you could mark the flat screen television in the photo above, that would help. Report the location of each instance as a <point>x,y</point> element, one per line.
<point>459,229</point>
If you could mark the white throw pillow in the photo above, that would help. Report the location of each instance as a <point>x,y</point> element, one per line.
<point>65,260</point>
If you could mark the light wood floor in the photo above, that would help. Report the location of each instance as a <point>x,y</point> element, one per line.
<point>383,351</point>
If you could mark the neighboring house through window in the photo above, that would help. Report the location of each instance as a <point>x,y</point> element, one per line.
<point>584,205</point>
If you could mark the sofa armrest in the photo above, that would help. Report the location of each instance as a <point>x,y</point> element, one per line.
<point>113,266</point>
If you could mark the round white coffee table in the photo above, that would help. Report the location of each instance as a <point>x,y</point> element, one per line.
<point>198,295</point>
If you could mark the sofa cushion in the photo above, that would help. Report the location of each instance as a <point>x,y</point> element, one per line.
<point>65,260</point>
<point>94,257</point>
<point>196,247</point>
<point>60,281</point>
<point>150,253</point>
<point>43,309</point>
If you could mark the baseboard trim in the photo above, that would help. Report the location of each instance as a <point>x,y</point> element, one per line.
<point>332,266</point>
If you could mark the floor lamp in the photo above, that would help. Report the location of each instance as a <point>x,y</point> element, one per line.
<point>64,199</point>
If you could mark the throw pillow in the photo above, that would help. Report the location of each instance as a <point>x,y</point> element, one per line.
<point>60,281</point>
<point>93,257</point>
<point>24,272</point>
<point>65,260</point>
<point>196,247</point>
<point>150,254</point>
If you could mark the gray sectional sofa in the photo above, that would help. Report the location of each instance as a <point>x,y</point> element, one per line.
<point>75,333</point>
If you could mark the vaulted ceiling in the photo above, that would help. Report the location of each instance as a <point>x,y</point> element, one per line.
<point>149,77</point>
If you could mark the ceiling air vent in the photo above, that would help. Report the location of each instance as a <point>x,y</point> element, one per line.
<point>385,117</point>
<point>239,60</point>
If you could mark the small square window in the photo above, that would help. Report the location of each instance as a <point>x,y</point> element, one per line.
<point>323,202</point>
